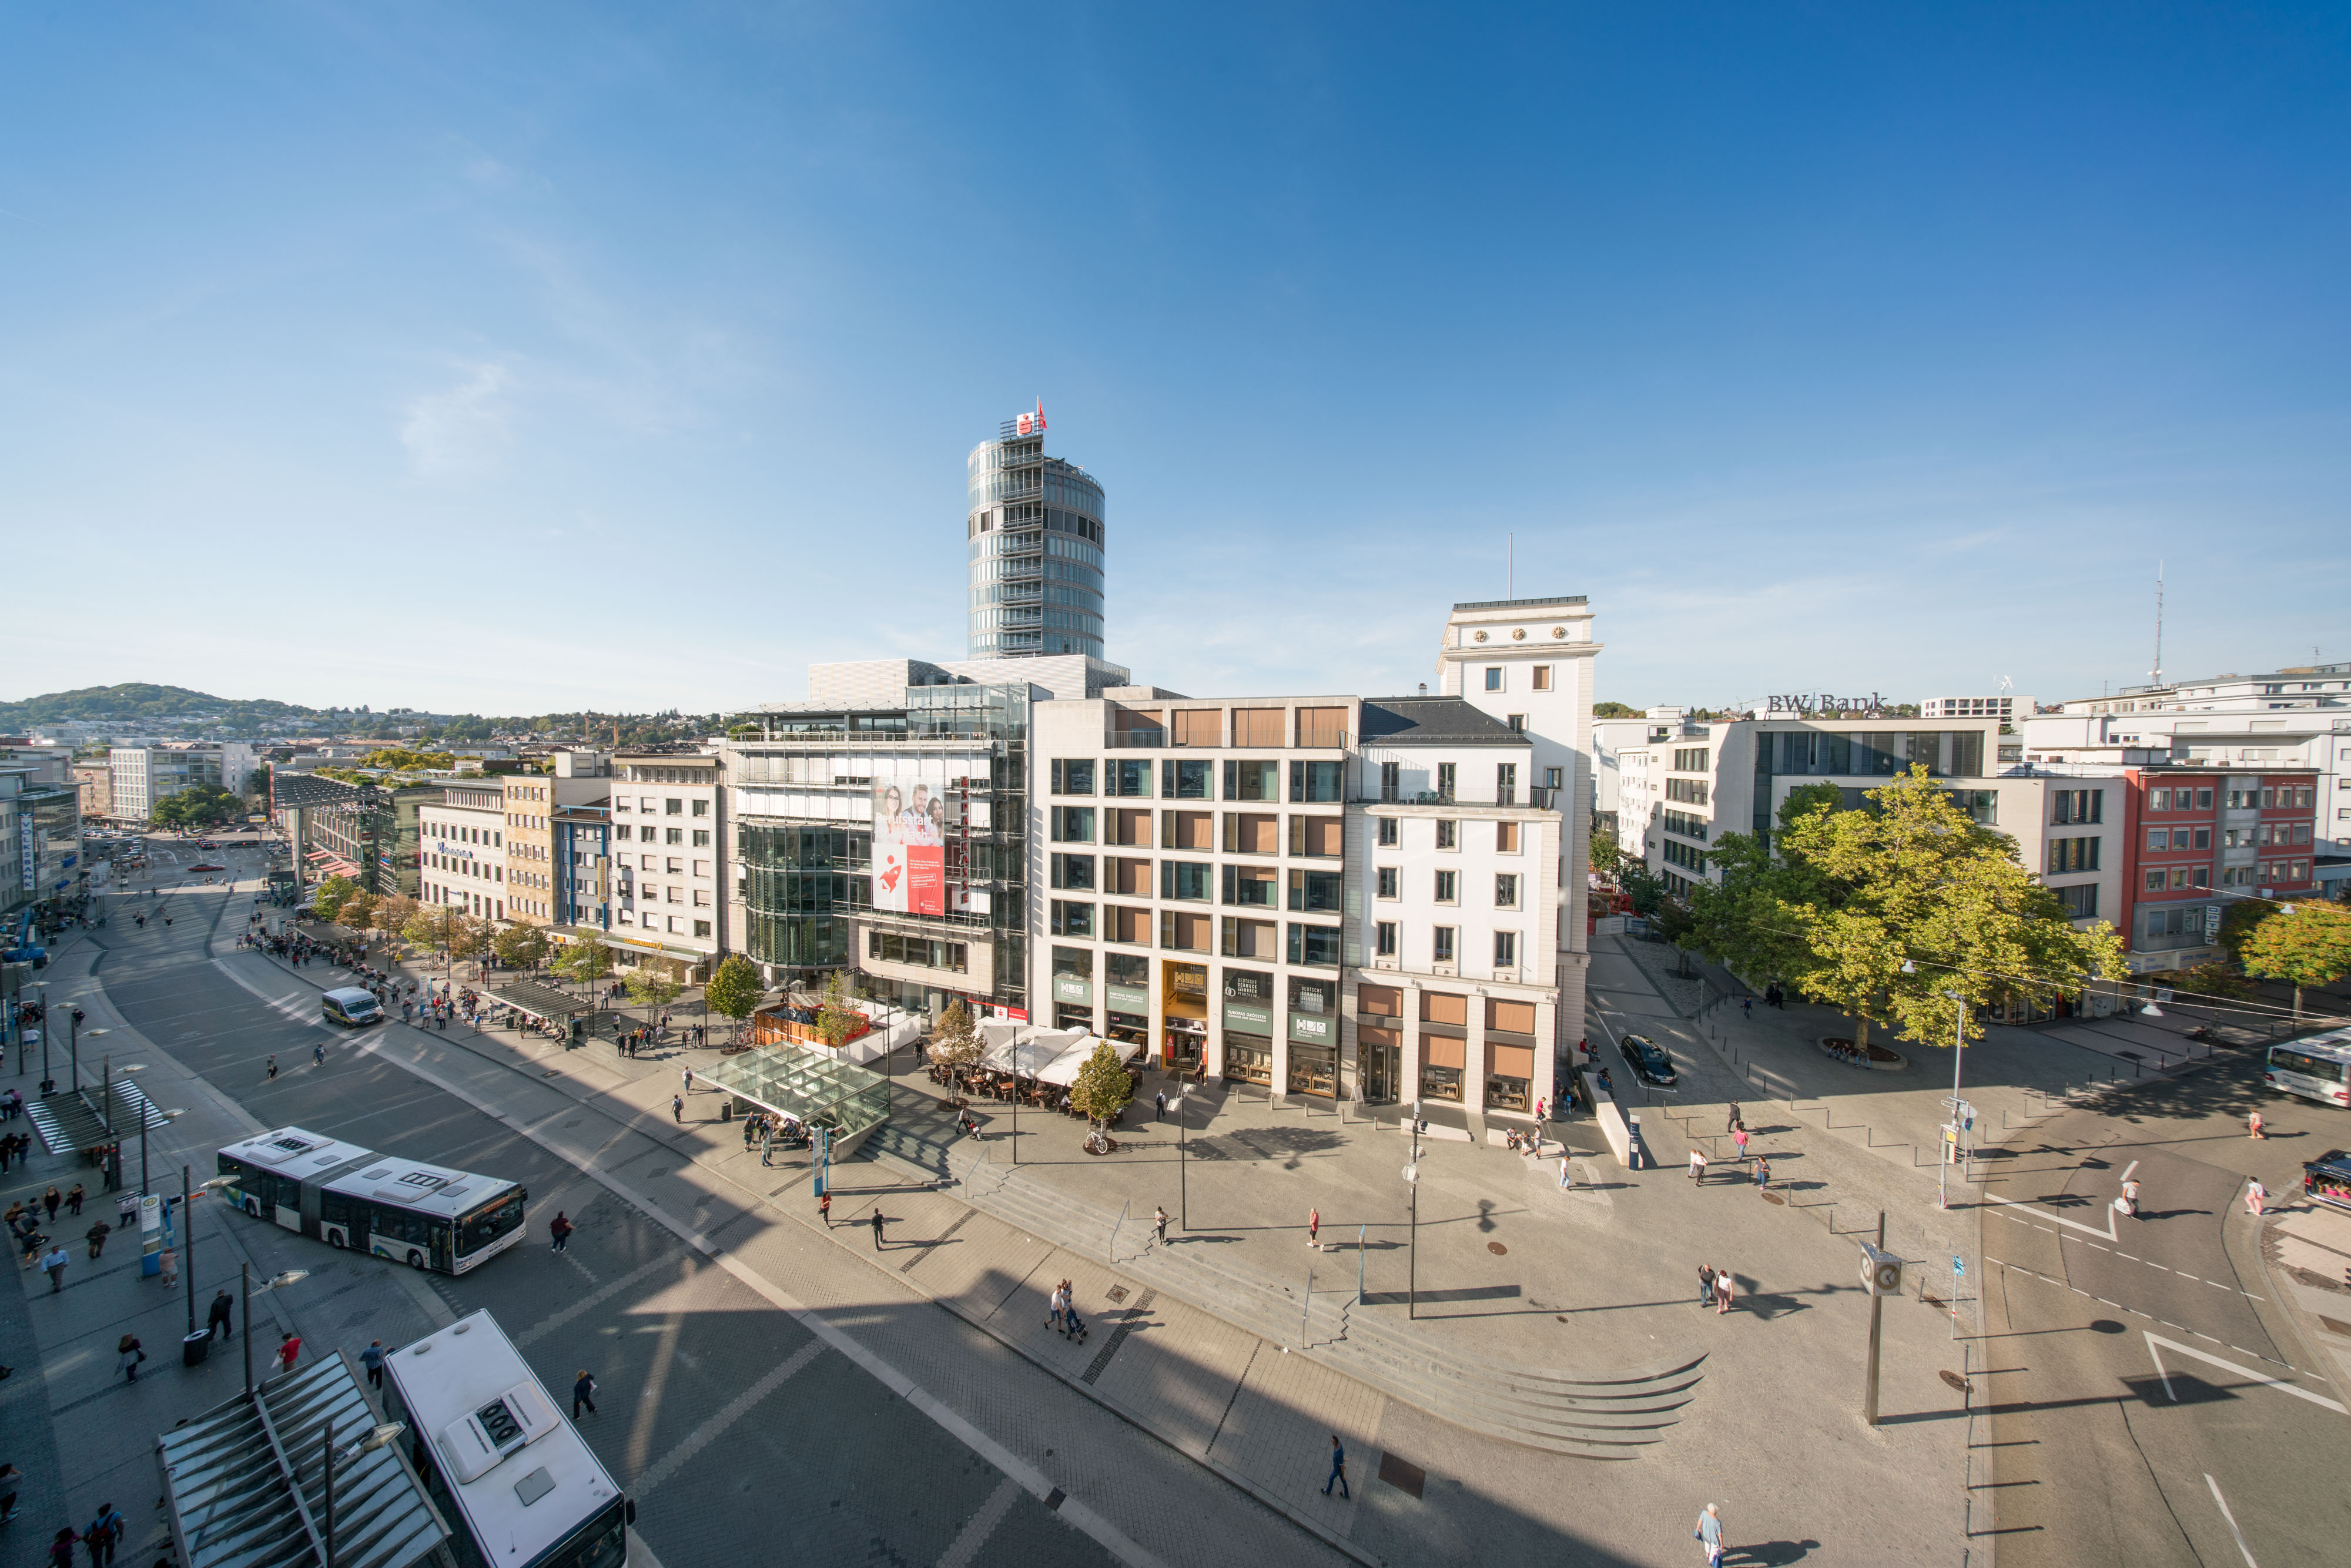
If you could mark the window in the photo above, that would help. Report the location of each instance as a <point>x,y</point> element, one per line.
<point>1691,758</point>
<point>1551,778</point>
<point>1073,871</point>
<point>1252,780</point>
<point>1505,784</point>
<point>2158,838</point>
<point>1506,838</point>
<point>1384,939</point>
<point>1506,949</point>
<point>702,928</point>
<point>1130,777</point>
<point>1506,891</point>
<point>1183,932</point>
<point>1316,945</point>
<point>1385,882</point>
<point>1248,885</point>
<point>1388,831</point>
<point>1690,791</point>
<point>1542,677</point>
<point>2077,806</point>
<point>1441,945</point>
<point>702,838</point>
<point>1316,782</point>
<point>1391,780</point>
<point>1192,778</point>
<point>1493,677</point>
<point>2072,854</point>
<point>2155,880</point>
<point>1073,776</point>
<point>1448,884</point>
<point>2081,900</point>
<point>1073,824</point>
<point>1072,919</point>
<point>674,807</point>
<point>619,829</point>
<point>1250,938</point>
<point>1315,892</point>
<point>702,808</point>
<point>1445,771</point>
<point>1449,835</point>
<point>1185,880</point>
<point>2203,838</point>
<point>2203,800</point>
<point>674,836</point>
<point>1518,723</point>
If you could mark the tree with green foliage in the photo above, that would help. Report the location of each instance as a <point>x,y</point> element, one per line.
<point>1102,1088</point>
<point>651,987</point>
<point>357,913</point>
<point>520,946</point>
<point>1892,911</point>
<point>198,806</point>
<point>837,1017</point>
<point>736,990</point>
<point>955,1039</point>
<point>329,899</point>
<point>447,927</point>
<point>584,960</point>
<point>2306,944</point>
<point>1613,710</point>
<point>395,911</point>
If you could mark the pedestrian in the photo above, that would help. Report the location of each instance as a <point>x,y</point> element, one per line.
<point>2256,1194</point>
<point>9,1475</point>
<point>1747,1007</point>
<point>583,1393</point>
<point>273,1064</point>
<point>217,1317</point>
<point>1708,1534</point>
<point>1059,1306</point>
<point>1732,1123</point>
<point>689,1080</point>
<point>1763,1174</point>
<point>53,1264</point>
<point>289,1347</point>
<point>128,1355</point>
<point>1540,1103</point>
<point>104,1534</point>
<point>1704,1283</point>
<point>824,1209</point>
<point>766,1139</point>
<point>169,1261</point>
<point>1159,1224</point>
<point>53,1200</point>
<point>73,1200</point>
<point>877,1229</point>
<point>2130,1196</point>
<point>561,1228</point>
<point>319,1054</point>
<point>373,1359</point>
<point>61,1549</point>
<point>677,1109</point>
<point>1739,1138</point>
<point>2253,1126</point>
<point>1338,1470</point>
<point>1721,1292</point>
<point>1698,1165</point>
<point>1313,1227</point>
<point>1159,1102</point>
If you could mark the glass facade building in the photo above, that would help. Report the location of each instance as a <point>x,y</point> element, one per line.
<point>1035,528</point>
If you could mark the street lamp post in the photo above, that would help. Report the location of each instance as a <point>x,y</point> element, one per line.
<point>247,1290</point>
<point>43,986</point>
<point>1412,1249</point>
<point>1183,1186</point>
<point>1951,1145</point>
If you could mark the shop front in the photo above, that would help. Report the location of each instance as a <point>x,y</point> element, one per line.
<point>1379,1042</point>
<point>1073,988</point>
<point>1510,1055</point>
<point>1126,997</point>
<point>1184,1007</point>
<point>1313,1037</point>
<point>1443,1044</point>
<point>1247,1028</point>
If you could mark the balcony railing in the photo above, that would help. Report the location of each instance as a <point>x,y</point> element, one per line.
<point>1145,738</point>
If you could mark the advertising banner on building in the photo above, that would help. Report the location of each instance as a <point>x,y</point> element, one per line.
<point>910,828</point>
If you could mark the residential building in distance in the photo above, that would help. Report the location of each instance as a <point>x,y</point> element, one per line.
<point>94,782</point>
<point>574,778</point>
<point>668,815</point>
<point>463,849</point>
<point>2005,707</point>
<point>2195,839</point>
<point>1035,534</point>
<point>40,830</point>
<point>144,777</point>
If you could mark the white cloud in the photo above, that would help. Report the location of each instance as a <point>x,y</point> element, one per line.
<point>460,432</point>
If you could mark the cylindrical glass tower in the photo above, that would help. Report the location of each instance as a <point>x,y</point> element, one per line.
<point>1035,527</point>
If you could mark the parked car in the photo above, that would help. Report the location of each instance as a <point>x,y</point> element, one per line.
<point>1648,1063</point>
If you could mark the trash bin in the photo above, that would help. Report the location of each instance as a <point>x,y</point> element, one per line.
<point>195,1347</point>
<point>727,1111</point>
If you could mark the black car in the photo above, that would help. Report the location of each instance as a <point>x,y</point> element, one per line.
<point>1652,1065</point>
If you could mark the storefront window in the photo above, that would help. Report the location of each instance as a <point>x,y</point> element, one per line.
<point>1441,1083</point>
<point>1249,1058</point>
<point>1506,1093</point>
<point>1313,1070</point>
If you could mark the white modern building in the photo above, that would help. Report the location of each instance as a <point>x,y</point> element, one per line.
<point>2005,707</point>
<point>143,777</point>
<point>462,851</point>
<point>667,899</point>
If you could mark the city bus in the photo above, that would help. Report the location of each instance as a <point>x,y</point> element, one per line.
<point>428,1216</point>
<point>497,1456</point>
<point>2317,1068</point>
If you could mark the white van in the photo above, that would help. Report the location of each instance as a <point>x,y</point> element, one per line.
<point>350,1005</point>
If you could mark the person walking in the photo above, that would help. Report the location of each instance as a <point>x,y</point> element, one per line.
<point>1159,1224</point>
<point>216,1318</point>
<point>1763,1174</point>
<point>1338,1470</point>
<point>824,1209</point>
<point>2253,1126</point>
<point>53,1200</point>
<point>128,1355</point>
<point>560,1228</point>
<point>689,1080</point>
<point>2256,1194</point>
<point>273,1064</point>
<point>290,1349</point>
<point>1739,1138</point>
<point>168,1260</point>
<point>1721,1292</point>
<point>1566,1171</point>
<point>1733,1124</point>
<point>766,1140</point>
<point>373,1359</point>
<point>2130,1196</point>
<point>877,1229</point>
<point>1697,1163</point>
<point>1708,1534</point>
<point>53,1264</point>
<point>1704,1283</point>
<point>583,1393</point>
<point>1313,1227</point>
<point>104,1534</point>
<point>74,1199</point>
<point>677,1109</point>
<point>1159,1103</point>
<point>318,1053</point>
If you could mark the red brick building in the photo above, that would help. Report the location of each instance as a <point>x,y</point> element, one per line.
<point>2198,838</point>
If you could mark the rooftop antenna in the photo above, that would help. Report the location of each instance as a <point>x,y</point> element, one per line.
<point>2154,677</point>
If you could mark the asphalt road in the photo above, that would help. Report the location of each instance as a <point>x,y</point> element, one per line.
<point>2150,1403</point>
<point>728,1458</point>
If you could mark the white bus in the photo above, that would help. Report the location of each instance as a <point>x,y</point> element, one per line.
<point>428,1216</point>
<point>498,1456</point>
<point>2317,1068</point>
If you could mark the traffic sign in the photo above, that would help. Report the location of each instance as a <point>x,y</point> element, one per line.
<point>1958,1265</point>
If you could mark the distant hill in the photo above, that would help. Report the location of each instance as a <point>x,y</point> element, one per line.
<point>136,701</point>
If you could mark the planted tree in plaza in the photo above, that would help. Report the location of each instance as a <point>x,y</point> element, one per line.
<point>955,1040</point>
<point>520,946</point>
<point>584,960</point>
<point>651,988</point>
<point>1907,912</point>
<point>328,900</point>
<point>357,912</point>
<point>2303,943</point>
<point>1102,1088</point>
<point>736,990</point>
<point>836,1017</point>
<point>395,912</point>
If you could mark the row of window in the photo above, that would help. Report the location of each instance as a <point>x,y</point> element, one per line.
<point>891,947</point>
<point>1445,888</point>
<point>459,832</point>
<point>2278,797</point>
<point>650,922</point>
<point>2162,879</point>
<point>1539,677</point>
<point>2231,838</point>
<point>1195,778</point>
<point>1443,944</point>
<point>1689,792</point>
<point>1687,825</point>
<point>1185,933</point>
<point>670,807</point>
<point>1244,832</point>
<point>1684,855</point>
<point>670,835</point>
<point>2073,854</point>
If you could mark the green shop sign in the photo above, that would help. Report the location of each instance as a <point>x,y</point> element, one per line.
<point>1071,988</point>
<point>1249,1018</point>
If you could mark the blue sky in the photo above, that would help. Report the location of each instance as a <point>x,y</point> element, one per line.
<point>534,357</point>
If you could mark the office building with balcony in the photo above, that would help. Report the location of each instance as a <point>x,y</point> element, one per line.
<point>668,844</point>
<point>1034,525</point>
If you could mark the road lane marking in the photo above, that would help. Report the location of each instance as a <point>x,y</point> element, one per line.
<point>974,1535</point>
<point>702,1436</point>
<point>2232,1518</point>
<point>2153,1340</point>
<point>2088,1231</point>
<point>2167,1322</point>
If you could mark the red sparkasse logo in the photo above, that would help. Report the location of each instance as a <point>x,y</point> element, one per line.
<point>1033,423</point>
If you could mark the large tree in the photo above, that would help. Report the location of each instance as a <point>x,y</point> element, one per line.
<point>1906,912</point>
<point>329,899</point>
<point>584,959</point>
<point>955,1039</point>
<point>2306,944</point>
<point>1104,1086</point>
<point>736,990</point>
<point>836,1017</point>
<point>520,946</point>
<point>650,986</point>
